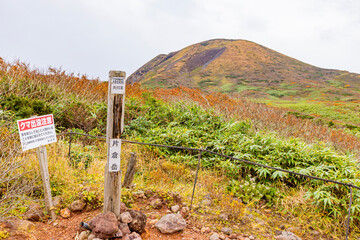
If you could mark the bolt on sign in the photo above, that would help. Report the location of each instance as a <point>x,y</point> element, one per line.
<point>114,155</point>
<point>118,85</point>
<point>36,132</point>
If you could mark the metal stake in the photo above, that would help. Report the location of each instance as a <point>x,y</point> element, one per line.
<point>196,176</point>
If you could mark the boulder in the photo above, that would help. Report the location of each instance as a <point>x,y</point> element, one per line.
<point>138,222</point>
<point>185,212</point>
<point>134,236</point>
<point>175,208</point>
<point>24,225</point>
<point>84,235</point>
<point>34,213</point>
<point>226,230</point>
<point>123,207</point>
<point>65,213</point>
<point>124,228</point>
<point>77,205</point>
<point>205,230</point>
<point>171,223</point>
<point>104,225</point>
<point>156,203</point>
<point>126,217</point>
<point>286,235</point>
<point>214,236</point>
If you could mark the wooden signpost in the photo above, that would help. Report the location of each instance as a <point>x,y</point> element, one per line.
<point>114,129</point>
<point>36,132</point>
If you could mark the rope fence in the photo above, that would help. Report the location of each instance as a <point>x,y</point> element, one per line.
<point>201,150</point>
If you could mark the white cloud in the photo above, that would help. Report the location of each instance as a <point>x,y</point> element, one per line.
<point>93,36</point>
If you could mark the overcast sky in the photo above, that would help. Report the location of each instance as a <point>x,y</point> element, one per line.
<point>94,36</point>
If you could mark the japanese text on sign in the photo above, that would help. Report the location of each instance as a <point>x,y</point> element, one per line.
<point>36,132</point>
<point>114,155</point>
<point>118,85</point>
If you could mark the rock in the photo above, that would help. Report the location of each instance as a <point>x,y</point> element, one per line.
<point>126,217</point>
<point>84,235</point>
<point>205,230</point>
<point>123,207</point>
<point>138,222</point>
<point>315,233</point>
<point>77,205</point>
<point>153,221</point>
<point>134,236</point>
<point>104,225</point>
<point>124,228</point>
<point>224,216</point>
<point>91,237</point>
<point>226,230</point>
<point>233,236</point>
<point>206,202</point>
<point>156,203</point>
<point>171,223</point>
<point>222,236</point>
<point>24,225</point>
<point>175,208</point>
<point>214,236</point>
<point>65,213</point>
<point>286,235</point>
<point>118,234</point>
<point>185,212</point>
<point>251,237</point>
<point>34,213</point>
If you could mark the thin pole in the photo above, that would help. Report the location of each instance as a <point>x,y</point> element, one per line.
<point>196,176</point>
<point>70,139</point>
<point>348,220</point>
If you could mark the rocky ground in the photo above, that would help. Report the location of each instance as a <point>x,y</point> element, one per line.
<point>158,220</point>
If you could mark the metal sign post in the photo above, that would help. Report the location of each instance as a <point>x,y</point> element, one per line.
<point>114,129</point>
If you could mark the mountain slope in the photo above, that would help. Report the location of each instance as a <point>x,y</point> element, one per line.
<point>239,66</point>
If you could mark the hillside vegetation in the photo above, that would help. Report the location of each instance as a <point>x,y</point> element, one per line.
<point>180,117</point>
<point>246,69</point>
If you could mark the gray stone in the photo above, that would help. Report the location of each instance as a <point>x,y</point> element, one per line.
<point>185,212</point>
<point>175,208</point>
<point>205,230</point>
<point>171,223</point>
<point>206,202</point>
<point>286,235</point>
<point>156,203</point>
<point>126,217</point>
<point>84,235</point>
<point>91,237</point>
<point>77,205</point>
<point>226,230</point>
<point>214,236</point>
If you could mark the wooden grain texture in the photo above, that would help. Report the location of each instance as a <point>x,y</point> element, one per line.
<point>130,171</point>
<point>44,169</point>
<point>114,128</point>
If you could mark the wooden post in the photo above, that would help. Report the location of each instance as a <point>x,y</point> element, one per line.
<point>42,156</point>
<point>130,171</point>
<point>114,129</point>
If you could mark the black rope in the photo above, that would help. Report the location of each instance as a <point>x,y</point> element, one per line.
<point>230,157</point>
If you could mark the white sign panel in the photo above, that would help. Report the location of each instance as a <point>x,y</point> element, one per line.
<point>118,85</point>
<point>36,132</point>
<point>114,155</point>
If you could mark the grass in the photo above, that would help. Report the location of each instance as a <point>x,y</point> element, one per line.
<point>182,117</point>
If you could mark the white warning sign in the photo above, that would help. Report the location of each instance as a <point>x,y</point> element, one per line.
<point>36,132</point>
<point>114,155</point>
<point>118,85</point>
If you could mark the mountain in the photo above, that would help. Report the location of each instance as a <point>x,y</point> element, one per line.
<point>246,68</point>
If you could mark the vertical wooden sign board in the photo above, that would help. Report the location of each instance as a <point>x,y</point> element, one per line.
<point>114,129</point>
